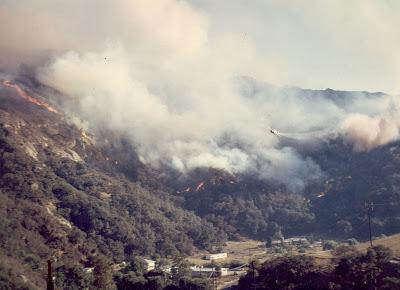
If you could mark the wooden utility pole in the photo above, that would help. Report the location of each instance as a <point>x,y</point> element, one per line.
<point>369,210</point>
<point>254,274</point>
<point>50,280</point>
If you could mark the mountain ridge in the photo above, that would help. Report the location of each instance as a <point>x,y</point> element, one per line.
<point>71,194</point>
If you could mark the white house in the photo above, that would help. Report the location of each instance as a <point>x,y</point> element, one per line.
<point>88,270</point>
<point>209,272</point>
<point>149,264</point>
<point>276,242</point>
<point>218,256</point>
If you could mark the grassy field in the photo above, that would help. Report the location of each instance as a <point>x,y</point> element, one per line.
<point>237,251</point>
<point>392,242</point>
<point>245,251</point>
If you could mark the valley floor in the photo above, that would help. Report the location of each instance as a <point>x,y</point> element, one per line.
<point>243,252</point>
<point>392,242</point>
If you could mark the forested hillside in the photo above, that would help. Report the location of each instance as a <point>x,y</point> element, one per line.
<point>73,195</point>
<point>62,197</point>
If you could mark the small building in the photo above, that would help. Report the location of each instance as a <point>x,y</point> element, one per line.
<point>198,272</point>
<point>276,242</point>
<point>88,270</point>
<point>149,264</point>
<point>296,241</point>
<point>217,256</point>
<point>166,269</point>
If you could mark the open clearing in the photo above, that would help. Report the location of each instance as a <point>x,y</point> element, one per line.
<point>241,252</point>
<point>392,242</point>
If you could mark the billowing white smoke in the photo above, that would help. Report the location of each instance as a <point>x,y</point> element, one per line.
<point>366,133</point>
<point>151,69</point>
<point>185,129</point>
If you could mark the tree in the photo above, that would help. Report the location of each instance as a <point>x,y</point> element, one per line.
<point>181,270</point>
<point>72,277</point>
<point>131,281</point>
<point>343,227</point>
<point>268,242</point>
<point>352,242</point>
<point>381,254</point>
<point>329,245</point>
<point>103,275</point>
<point>137,265</point>
<point>290,272</point>
<point>366,271</point>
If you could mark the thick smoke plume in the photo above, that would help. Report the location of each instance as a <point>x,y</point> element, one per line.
<point>152,70</point>
<point>367,133</point>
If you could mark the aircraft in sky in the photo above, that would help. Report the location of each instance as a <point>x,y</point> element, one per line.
<point>275,132</point>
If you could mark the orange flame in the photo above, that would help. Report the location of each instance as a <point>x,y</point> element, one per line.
<point>200,186</point>
<point>185,190</point>
<point>29,98</point>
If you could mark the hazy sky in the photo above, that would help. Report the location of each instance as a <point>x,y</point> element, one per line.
<point>341,44</point>
<point>351,45</point>
<point>165,72</point>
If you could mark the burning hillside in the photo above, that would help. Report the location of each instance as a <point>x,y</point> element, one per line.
<point>62,192</point>
<point>24,95</point>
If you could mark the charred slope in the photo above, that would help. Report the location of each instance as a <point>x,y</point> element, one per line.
<point>333,207</point>
<point>245,205</point>
<point>61,195</point>
<point>354,179</point>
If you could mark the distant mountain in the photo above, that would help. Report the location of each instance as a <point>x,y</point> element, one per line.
<point>334,206</point>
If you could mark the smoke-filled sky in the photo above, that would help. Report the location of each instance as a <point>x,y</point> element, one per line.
<point>170,73</point>
<point>349,45</point>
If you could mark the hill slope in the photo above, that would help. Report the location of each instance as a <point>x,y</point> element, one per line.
<point>61,196</point>
<point>74,195</point>
<point>392,242</point>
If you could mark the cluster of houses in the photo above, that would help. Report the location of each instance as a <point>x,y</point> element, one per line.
<point>197,271</point>
<point>148,266</point>
<point>299,242</point>
<point>201,271</point>
<point>291,241</point>
<point>210,271</point>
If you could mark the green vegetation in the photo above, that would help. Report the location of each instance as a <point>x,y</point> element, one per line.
<point>96,205</point>
<point>55,207</point>
<point>373,270</point>
<point>252,212</point>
